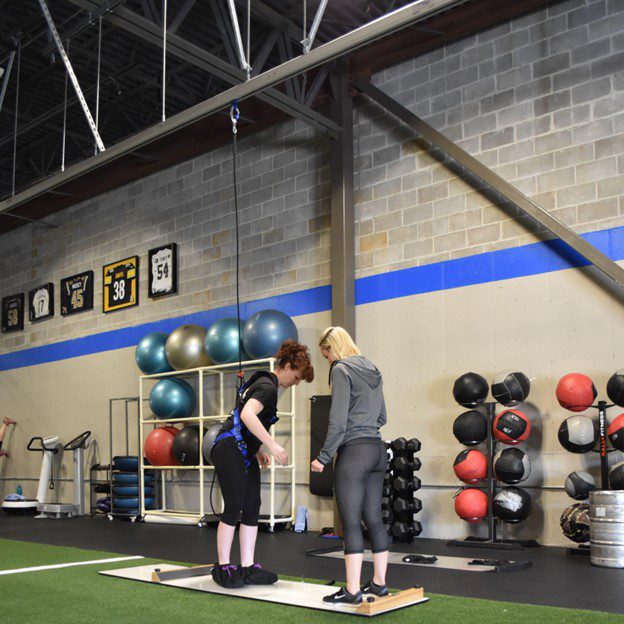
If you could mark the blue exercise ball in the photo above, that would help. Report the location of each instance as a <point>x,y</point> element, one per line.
<point>150,354</point>
<point>223,340</point>
<point>172,398</point>
<point>265,331</point>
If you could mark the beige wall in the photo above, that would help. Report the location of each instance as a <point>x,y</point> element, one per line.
<point>545,325</point>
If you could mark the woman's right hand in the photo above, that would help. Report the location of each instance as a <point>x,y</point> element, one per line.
<point>281,457</point>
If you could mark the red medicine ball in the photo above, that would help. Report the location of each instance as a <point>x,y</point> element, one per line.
<point>470,466</point>
<point>158,444</point>
<point>616,432</point>
<point>511,426</point>
<point>471,505</point>
<point>575,392</point>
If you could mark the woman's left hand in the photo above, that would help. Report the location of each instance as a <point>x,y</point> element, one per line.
<point>263,459</point>
<point>316,466</point>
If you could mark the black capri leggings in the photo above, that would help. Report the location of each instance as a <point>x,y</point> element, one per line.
<point>358,481</point>
<point>240,487</point>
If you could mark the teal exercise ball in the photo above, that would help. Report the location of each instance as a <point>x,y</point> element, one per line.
<point>223,340</point>
<point>172,398</point>
<point>265,332</point>
<point>150,354</point>
<point>186,349</point>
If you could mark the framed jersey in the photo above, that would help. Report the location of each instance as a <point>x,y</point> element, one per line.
<point>41,303</point>
<point>13,313</point>
<point>121,284</point>
<point>163,271</point>
<point>77,293</point>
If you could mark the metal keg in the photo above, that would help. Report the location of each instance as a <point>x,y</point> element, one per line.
<point>606,528</point>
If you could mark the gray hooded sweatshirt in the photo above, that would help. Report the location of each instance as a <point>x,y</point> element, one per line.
<point>358,408</point>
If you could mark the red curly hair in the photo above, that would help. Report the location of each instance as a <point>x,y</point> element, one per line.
<point>298,356</point>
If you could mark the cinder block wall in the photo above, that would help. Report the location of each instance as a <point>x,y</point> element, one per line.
<point>539,99</point>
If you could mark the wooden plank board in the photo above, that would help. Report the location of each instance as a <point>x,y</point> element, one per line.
<point>298,594</point>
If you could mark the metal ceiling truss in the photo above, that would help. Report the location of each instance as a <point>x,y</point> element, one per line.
<point>182,48</point>
<point>261,86</point>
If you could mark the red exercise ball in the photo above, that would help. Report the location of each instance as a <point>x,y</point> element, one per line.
<point>511,426</point>
<point>470,466</point>
<point>576,392</point>
<point>157,448</point>
<point>471,505</point>
<point>616,432</point>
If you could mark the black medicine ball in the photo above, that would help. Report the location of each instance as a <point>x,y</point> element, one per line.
<point>511,465</point>
<point>578,434</point>
<point>616,476</point>
<point>615,388</point>
<point>470,428</point>
<point>510,388</point>
<point>579,484</point>
<point>470,390</point>
<point>511,504</point>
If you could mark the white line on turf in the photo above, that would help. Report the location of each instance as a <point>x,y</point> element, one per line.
<point>68,565</point>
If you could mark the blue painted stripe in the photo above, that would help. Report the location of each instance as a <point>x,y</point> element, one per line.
<point>516,262</point>
<point>293,304</point>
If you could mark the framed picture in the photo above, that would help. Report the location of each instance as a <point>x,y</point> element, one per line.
<point>41,303</point>
<point>163,271</point>
<point>13,313</point>
<point>121,284</point>
<point>77,293</point>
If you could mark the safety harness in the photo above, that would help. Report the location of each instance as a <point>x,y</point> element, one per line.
<point>238,427</point>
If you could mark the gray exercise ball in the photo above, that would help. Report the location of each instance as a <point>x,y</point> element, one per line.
<point>209,438</point>
<point>185,347</point>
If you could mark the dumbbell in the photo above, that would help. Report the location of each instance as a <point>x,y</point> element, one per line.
<point>404,505</point>
<point>386,490</point>
<point>387,516</point>
<point>406,486</point>
<point>402,446</point>
<point>386,502</point>
<point>404,531</point>
<point>405,466</point>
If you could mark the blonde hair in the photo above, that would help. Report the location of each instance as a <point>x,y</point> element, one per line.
<point>338,342</point>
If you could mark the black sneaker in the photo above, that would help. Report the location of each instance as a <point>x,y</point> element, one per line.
<point>228,576</point>
<point>376,590</point>
<point>256,575</point>
<point>344,597</point>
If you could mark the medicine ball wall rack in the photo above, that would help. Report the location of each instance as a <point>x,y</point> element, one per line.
<point>399,503</point>
<point>225,401</point>
<point>490,487</point>
<point>615,392</point>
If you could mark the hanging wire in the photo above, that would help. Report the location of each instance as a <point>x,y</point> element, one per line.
<point>65,114</point>
<point>164,62</point>
<point>248,39</point>
<point>97,88</point>
<point>17,85</point>
<point>234,117</point>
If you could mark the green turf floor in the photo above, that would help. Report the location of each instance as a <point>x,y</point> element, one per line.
<point>79,594</point>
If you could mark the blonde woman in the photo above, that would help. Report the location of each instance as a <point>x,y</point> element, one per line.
<point>358,410</point>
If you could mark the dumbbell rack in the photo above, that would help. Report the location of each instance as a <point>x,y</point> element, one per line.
<point>492,540</point>
<point>393,499</point>
<point>146,420</point>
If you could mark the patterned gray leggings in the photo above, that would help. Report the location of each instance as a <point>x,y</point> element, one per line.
<point>358,482</point>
